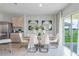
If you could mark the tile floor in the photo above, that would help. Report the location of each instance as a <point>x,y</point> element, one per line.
<point>23,52</point>
<point>60,51</point>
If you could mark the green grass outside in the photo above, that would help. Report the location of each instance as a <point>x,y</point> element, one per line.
<point>68,37</point>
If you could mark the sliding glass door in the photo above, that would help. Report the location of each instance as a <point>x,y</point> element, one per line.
<point>75,18</point>
<point>67,33</point>
<point>71,33</point>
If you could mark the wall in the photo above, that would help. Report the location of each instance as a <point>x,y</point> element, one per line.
<point>57,23</point>
<point>40,18</point>
<point>4,17</point>
<point>1,17</point>
<point>59,29</point>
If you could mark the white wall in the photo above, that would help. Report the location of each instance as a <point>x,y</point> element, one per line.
<point>4,17</point>
<point>1,17</point>
<point>40,18</point>
<point>60,27</point>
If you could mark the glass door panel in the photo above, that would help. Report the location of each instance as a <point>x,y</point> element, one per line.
<point>71,33</point>
<point>75,18</point>
<point>67,33</point>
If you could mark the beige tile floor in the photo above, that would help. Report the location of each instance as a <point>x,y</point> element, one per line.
<point>23,52</point>
<point>60,51</point>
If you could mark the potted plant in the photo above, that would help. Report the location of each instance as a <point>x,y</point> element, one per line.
<point>20,30</point>
<point>39,34</point>
<point>41,27</point>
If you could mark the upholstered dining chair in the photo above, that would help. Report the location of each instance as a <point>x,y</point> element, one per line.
<point>44,43</point>
<point>33,43</point>
<point>54,42</point>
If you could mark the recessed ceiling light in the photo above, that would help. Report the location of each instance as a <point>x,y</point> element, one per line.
<point>40,5</point>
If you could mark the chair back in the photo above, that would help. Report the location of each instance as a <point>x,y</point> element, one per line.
<point>44,39</point>
<point>33,39</point>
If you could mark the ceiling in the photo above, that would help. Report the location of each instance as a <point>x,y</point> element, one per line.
<point>31,8</point>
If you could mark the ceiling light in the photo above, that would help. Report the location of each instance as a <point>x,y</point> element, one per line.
<point>40,5</point>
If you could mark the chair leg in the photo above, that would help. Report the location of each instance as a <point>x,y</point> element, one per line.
<point>10,46</point>
<point>31,51</point>
<point>43,51</point>
<point>35,49</point>
<point>43,48</point>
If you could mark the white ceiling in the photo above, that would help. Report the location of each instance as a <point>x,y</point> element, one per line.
<point>31,8</point>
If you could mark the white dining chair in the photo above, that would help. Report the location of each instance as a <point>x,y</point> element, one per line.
<point>44,43</point>
<point>54,42</point>
<point>33,43</point>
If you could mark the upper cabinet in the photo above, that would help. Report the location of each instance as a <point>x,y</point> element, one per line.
<point>17,21</point>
